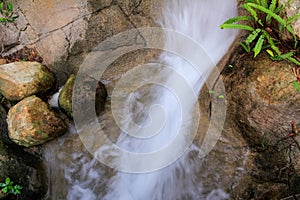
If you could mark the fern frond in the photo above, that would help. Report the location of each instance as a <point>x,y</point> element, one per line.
<point>293,60</point>
<point>264,3</point>
<point>245,47</point>
<point>278,9</point>
<point>268,12</point>
<point>282,56</point>
<point>258,45</point>
<point>252,36</point>
<point>238,18</point>
<point>272,9</point>
<point>252,12</point>
<point>292,18</point>
<point>237,26</point>
<point>271,42</point>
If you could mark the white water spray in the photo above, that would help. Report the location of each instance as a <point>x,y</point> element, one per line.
<point>199,20</point>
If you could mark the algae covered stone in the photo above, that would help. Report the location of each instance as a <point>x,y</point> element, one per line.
<point>32,122</point>
<point>23,79</point>
<point>65,97</point>
<point>86,89</point>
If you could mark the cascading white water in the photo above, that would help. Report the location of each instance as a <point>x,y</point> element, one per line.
<point>199,20</point>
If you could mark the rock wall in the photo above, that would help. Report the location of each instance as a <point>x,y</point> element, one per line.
<point>64,31</point>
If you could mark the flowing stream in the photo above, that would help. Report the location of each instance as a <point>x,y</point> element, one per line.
<point>77,175</point>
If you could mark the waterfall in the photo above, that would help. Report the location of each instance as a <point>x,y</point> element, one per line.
<point>198,20</point>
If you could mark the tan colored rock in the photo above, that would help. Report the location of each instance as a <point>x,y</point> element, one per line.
<point>32,122</point>
<point>22,79</point>
<point>53,47</point>
<point>48,15</point>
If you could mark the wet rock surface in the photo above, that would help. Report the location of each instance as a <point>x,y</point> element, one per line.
<point>86,89</point>
<point>32,122</point>
<point>263,103</point>
<point>22,79</point>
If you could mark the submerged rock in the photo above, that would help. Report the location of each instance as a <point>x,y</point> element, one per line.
<point>65,97</point>
<point>32,122</point>
<point>22,79</point>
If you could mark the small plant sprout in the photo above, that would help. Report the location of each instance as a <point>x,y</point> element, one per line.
<point>6,11</point>
<point>221,97</point>
<point>9,188</point>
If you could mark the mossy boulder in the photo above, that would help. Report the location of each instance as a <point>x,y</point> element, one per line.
<point>23,79</point>
<point>66,94</point>
<point>32,122</point>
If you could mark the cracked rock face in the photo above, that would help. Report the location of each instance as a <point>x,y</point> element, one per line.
<point>64,32</point>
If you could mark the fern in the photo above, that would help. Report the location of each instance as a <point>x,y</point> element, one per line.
<point>272,9</point>
<point>252,12</point>
<point>238,18</point>
<point>263,15</point>
<point>259,45</point>
<point>252,36</point>
<point>268,12</point>
<point>237,26</point>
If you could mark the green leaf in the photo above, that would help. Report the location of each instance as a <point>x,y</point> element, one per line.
<point>268,12</point>
<point>18,187</point>
<point>10,7</point>
<point>264,3</point>
<point>278,9</point>
<point>221,97</point>
<point>252,36</point>
<point>293,60</point>
<point>237,26</point>
<point>5,190</point>
<point>245,47</point>
<point>7,181</point>
<point>270,53</point>
<point>252,12</point>
<point>230,66</point>
<point>296,86</point>
<point>238,18</point>
<point>258,45</point>
<point>292,18</point>
<point>1,6</point>
<point>2,184</point>
<point>272,9</point>
<point>271,42</point>
<point>283,56</point>
<point>211,92</point>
